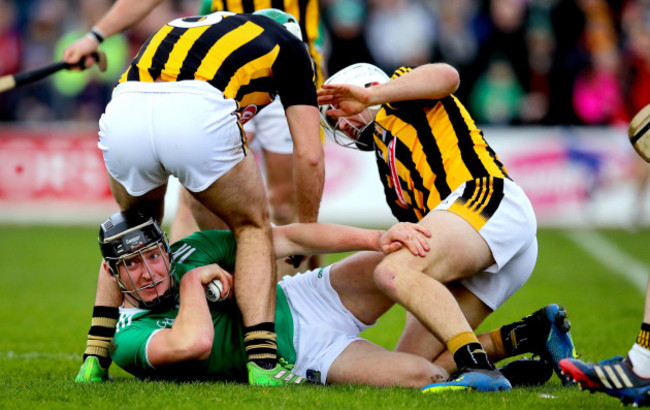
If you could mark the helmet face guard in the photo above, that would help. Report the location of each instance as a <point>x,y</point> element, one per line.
<point>331,128</point>
<point>362,75</point>
<point>126,238</point>
<point>126,280</point>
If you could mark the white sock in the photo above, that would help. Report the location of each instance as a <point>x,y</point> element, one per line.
<point>640,359</point>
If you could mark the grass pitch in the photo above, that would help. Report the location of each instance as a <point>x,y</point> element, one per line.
<point>48,277</point>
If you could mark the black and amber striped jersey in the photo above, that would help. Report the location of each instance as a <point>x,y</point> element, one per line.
<point>250,58</point>
<point>426,149</point>
<point>305,11</point>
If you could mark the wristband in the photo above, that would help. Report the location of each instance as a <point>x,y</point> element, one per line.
<point>96,35</point>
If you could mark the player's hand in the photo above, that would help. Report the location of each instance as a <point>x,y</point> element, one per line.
<point>208,273</point>
<point>81,49</point>
<point>346,99</point>
<point>413,236</point>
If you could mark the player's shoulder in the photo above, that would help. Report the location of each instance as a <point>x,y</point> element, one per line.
<point>273,29</point>
<point>208,235</point>
<point>202,241</point>
<point>268,24</point>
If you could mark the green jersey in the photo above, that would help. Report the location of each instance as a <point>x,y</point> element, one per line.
<point>227,360</point>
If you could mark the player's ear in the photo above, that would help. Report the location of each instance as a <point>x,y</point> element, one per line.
<point>104,269</point>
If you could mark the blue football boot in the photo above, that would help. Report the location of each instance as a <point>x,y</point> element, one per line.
<point>481,380</point>
<point>553,341</point>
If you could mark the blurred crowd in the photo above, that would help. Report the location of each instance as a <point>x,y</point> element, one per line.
<point>525,62</point>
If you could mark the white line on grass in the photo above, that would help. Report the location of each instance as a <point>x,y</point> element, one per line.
<point>606,252</point>
<point>38,355</point>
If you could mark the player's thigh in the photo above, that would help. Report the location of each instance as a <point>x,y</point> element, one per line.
<point>205,219</point>
<point>363,362</point>
<point>151,202</point>
<point>456,250</point>
<point>238,197</point>
<point>352,278</point>
<point>459,250</point>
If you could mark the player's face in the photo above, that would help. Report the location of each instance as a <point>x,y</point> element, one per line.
<point>353,125</point>
<point>145,272</point>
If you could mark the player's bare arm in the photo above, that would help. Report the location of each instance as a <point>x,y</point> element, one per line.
<point>347,98</point>
<point>308,163</point>
<point>325,238</point>
<point>122,15</point>
<point>430,81</point>
<point>192,334</point>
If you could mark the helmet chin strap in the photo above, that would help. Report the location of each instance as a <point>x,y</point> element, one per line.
<point>163,302</point>
<point>159,302</point>
<point>365,139</point>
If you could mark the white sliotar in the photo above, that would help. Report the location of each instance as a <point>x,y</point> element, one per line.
<point>213,291</point>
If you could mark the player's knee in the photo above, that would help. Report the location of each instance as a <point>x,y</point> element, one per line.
<point>425,373</point>
<point>419,372</point>
<point>249,229</point>
<point>282,206</point>
<point>385,276</point>
<point>248,218</point>
<point>283,214</point>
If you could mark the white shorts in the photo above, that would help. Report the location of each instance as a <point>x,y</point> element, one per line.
<point>322,326</point>
<point>510,232</point>
<point>271,129</point>
<point>152,130</point>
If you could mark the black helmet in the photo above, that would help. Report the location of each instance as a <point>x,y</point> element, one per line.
<point>126,235</point>
<point>125,232</point>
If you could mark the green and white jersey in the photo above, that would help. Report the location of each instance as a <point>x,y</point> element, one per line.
<point>227,361</point>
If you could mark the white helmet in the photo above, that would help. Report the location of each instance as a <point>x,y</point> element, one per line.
<point>362,75</point>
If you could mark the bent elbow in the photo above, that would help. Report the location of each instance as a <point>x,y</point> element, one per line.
<point>311,160</point>
<point>202,348</point>
<point>315,162</point>
<point>196,348</point>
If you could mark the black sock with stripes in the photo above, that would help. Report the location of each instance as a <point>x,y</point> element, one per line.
<point>468,352</point>
<point>527,335</point>
<point>100,335</point>
<point>472,355</point>
<point>516,338</point>
<point>643,338</point>
<point>261,346</point>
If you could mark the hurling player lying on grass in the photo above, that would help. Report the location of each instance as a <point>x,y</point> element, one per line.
<point>168,330</point>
